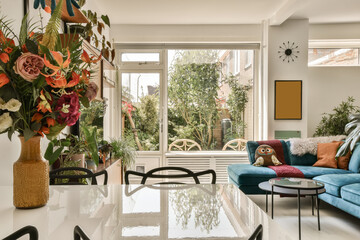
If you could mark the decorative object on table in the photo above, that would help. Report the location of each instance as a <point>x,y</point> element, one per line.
<point>41,85</point>
<point>288,100</point>
<point>353,131</point>
<point>266,156</point>
<point>123,149</point>
<point>105,150</point>
<point>334,123</point>
<point>288,51</point>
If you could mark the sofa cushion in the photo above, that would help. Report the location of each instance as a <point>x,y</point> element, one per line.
<point>251,147</point>
<point>351,193</point>
<point>334,182</point>
<point>326,153</point>
<point>305,160</point>
<point>354,164</point>
<point>246,174</point>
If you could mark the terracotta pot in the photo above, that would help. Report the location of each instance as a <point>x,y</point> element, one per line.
<point>31,176</point>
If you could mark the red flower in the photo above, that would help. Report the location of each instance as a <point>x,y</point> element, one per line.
<point>50,122</point>
<point>68,107</point>
<point>47,9</point>
<point>4,57</point>
<point>3,79</point>
<point>8,50</point>
<point>37,117</point>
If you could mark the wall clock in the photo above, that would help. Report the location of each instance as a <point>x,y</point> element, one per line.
<point>288,51</point>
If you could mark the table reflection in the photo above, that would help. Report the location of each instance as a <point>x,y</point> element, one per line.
<point>143,212</point>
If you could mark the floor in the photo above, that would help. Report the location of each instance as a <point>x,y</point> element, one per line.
<point>335,224</point>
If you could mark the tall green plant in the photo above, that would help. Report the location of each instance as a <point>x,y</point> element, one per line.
<point>193,88</point>
<point>124,149</point>
<point>334,123</point>
<point>238,98</point>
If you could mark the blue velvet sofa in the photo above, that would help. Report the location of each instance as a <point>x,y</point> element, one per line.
<point>342,186</point>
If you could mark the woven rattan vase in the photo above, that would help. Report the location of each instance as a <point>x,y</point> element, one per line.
<point>31,176</point>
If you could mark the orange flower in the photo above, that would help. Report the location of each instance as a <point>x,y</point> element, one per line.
<point>50,122</point>
<point>85,75</point>
<point>45,130</point>
<point>37,117</point>
<point>59,60</point>
<point>8,50</point>
<point>2,38</point>
<point>3,79</point>
<point>31,34</point>
<point>85,58</point>
<point>44,103</point>
<point>11,42</point>
<point>60,81</point>
<point>4,57</point>
<point>47,9</point>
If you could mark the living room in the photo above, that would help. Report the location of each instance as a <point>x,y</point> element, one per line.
<point>252,39</point>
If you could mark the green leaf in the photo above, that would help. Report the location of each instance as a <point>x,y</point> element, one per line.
<point>28,133</point>
<point>106,19</point>
<point>85,101</point>
<point>39,82</point>
<point>35,126</point>
<point>23,30</point>
<point>52,155</point>
<point>55,130</point>
<point>90,138</point>
<point>31,46</point>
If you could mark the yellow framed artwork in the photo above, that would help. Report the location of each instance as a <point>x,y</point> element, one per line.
<point>288,100</point>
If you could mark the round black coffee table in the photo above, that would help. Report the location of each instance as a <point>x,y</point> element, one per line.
<point>294,187</point>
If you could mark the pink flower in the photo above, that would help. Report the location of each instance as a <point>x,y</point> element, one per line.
<point>68,107</point>
<point>91,92</point>
<point>28,66</point>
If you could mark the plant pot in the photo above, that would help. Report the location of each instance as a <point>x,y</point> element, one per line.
<point>79,158</point>
<point>31,176</point>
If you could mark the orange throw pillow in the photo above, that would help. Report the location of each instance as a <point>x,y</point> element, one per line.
<point>326,155</point>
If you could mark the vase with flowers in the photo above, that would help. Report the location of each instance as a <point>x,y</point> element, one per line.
<point>42,81</point>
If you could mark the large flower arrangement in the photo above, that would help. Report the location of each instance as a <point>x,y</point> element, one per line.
<point>42,79</point>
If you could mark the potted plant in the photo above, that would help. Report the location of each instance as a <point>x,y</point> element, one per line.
<point>123,149</point>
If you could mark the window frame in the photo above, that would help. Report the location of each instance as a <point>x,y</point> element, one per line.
<point>162,67</point>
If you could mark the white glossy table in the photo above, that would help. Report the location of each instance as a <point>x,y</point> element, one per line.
<point>142,212</point>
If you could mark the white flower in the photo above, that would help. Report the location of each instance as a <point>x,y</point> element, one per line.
<point>13,105</point>
<point>5,122</point>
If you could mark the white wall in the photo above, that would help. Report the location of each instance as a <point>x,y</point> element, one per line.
<point>10,150</point>
<point>185,33</point>
<point>293,31</point>
<point>329,86</point>
<point>334,31</point>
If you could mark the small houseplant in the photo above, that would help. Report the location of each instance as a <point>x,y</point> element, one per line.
<point>123,149</point>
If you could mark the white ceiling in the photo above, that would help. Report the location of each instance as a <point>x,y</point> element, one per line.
<point>226,11</point>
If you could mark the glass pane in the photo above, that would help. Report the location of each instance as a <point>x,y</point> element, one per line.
<point>140,109</point>
<point>333,57</point>
<point>210,98</point>
<point>140,57</point>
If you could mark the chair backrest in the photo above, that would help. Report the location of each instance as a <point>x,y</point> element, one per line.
<point>31,230</point>
<point>257,234</point>
<point>80,234</point>
<point>184,145</point>
<point>186,174</point>
<point>75,176</point>
<point>236,144</point>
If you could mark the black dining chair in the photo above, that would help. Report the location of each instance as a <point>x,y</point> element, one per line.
<point>31,230</point>
<point>80,234</point>
<point>186,173</point>
<point>257,234</point>
<point>75,179</point>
